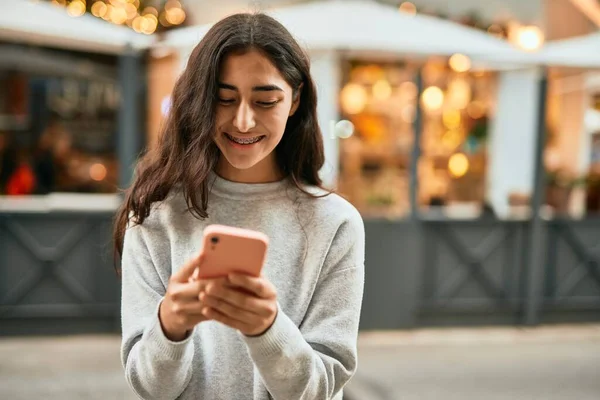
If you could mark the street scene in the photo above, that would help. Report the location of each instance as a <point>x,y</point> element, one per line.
<point>495,363</point>
<point>386,198</point>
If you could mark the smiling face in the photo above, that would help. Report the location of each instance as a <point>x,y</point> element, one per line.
<point>254,105</point>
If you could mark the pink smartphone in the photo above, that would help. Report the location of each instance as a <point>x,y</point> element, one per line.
<point>227,249</point>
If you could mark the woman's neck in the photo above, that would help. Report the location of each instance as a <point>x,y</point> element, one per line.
<point>265,171</point>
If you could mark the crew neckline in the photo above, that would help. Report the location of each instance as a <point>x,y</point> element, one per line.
<point>238,190</point>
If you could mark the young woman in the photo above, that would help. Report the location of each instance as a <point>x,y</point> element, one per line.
<point>241,147</point>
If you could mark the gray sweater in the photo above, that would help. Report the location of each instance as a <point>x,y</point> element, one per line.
<point>316,263</point>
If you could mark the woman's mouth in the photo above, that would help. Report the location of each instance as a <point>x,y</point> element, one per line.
<point>246,141</point>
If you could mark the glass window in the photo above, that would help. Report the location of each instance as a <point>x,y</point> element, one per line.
<point>380,99</point>
<point>58,131</point>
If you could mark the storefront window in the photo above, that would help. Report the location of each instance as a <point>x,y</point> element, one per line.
<point>57,133</point>
<point>381,99</point>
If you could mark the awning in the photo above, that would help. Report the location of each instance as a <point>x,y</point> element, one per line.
<point>579,52</point>
<point>369,26</point>
<point>45,24</point>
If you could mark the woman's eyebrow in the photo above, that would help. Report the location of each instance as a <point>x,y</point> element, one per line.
<point>261,88</point>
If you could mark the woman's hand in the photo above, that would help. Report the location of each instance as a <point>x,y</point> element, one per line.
<point>181,308</point>
<point>242,302</point>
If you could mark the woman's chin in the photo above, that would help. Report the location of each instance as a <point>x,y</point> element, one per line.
<point>240,163</point>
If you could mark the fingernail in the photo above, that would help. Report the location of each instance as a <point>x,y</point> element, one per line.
<point>202,296</point>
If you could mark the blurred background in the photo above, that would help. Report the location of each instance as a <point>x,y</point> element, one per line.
<point>474,161</point>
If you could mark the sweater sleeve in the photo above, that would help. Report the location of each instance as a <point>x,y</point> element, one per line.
<point>155,367</point>
<point>316,360</point>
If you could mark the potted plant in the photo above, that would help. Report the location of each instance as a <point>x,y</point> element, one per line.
<point>559,186</point>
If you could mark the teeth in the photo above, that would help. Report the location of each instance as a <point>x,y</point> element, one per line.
<point>245,140</point>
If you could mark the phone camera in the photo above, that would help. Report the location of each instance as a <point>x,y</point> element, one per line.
<point>214,239</point>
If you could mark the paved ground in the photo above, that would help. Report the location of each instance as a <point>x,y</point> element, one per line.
<point>544,363</point>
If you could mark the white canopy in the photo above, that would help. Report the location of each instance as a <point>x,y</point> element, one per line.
<point>581,51</point>
<point>49,25</point>
<point>367,26</point>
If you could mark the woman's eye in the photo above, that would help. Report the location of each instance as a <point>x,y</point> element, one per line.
<point>267,103</point>
<point>226,101</point>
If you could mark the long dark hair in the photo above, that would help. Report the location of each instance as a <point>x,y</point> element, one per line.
<point>186,152</point>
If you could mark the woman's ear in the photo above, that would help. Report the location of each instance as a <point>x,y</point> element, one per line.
<point>296,99</point>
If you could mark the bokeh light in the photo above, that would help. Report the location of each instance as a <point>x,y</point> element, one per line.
<point>460,63</point>
<point>530,37</point>
<point>76,8</point>
<point>99,9</point>
<point>433,98</point>
<point>408,8</point>
<point>382,90</point>
<point>98,172</point>
<point>458,165</point>
<point>353,98</point>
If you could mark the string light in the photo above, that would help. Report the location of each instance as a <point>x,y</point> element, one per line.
<point>408,8</point>
<point>131,11</point>
<point>171,4</point>
<point>530,37</point>
<point>99,9</point>
<point>76,8</point>
<point>150,11</point>
<point>118,15</point>
<point>107,15</point>
<point>168,13</point>
<point>175,15</point>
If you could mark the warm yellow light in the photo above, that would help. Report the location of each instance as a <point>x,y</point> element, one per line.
<point>172,4</point>
<point>382,90</point>
<point>59,2</point>
<point>353,98</point>
<point>152,18</point>
<point>459,93</point>
<point>175,16</point>
<point>460,63</point>
<point>451,119</point>
<point>109,10</point>
<point>150,25</point>
<point>163,19</point>
<point>150,10</point>
<point>138,23</point>
<point>433,98</point>
<point>408,8</point>
<point>118,16</point>
<point>451,139</point>
<point>530,37</point>
<point>76,8</point>
<point>476,109</point>
<point>409,89</point>
<point>458,165</point>
<point>131,10</point>
<point>99,9</point>
<point>98,172</point>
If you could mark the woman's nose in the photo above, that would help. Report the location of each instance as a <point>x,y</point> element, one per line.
<point>244,118</point>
